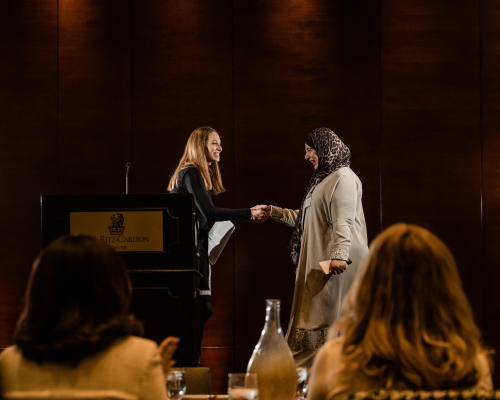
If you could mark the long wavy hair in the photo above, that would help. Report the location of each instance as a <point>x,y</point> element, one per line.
<point>77,302</point>
<point>407,320</point>
<point>195,154</point>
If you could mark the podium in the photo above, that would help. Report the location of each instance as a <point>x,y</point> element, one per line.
<point>156,236</point>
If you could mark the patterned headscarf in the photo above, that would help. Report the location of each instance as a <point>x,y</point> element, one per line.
<point>332,155</point>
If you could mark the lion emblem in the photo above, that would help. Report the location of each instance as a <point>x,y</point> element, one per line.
<point>117,227</point>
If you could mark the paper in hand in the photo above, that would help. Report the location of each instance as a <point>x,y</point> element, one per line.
<point>217,239</point>
<point>325,266</point>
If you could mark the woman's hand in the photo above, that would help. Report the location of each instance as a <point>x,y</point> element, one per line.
<point>260,213</point>
<point>167,349</point>
<point>337,267</point>
<point>265,208</point>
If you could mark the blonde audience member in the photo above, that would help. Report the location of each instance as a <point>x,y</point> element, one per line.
<point>407,324</point>
<point>76,337</point>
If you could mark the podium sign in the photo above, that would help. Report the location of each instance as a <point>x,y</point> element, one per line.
<point>156,237</point>
<point>123,230</point>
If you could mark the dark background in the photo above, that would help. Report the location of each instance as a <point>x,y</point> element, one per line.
<point>412,87</point>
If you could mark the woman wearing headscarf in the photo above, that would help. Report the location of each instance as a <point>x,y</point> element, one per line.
<point>329,226</point>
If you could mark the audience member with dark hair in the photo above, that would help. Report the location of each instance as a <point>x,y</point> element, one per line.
<point>76,337</point>
<point>406,325</point>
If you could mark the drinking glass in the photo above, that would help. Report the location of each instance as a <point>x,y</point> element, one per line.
<point>301,383</point>
<point>176,383</point>
<point>243,386</point>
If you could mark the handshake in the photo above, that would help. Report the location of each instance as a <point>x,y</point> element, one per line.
<point>260,213</point>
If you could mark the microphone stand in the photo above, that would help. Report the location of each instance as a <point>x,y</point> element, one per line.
<point>126,177</point>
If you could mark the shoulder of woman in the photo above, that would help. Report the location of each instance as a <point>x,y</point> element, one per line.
<point>9,353</point>
<point>483,362</point>
<point>345,171</point>
<point>324,370</point>
<point>331,351</point>
<point>484,367</point>
<point>191,170</point>
<point>133,352</point>
<point>139,341</point>
<point>334,178</point>
<point>135,345</point>
<point>334,345</point>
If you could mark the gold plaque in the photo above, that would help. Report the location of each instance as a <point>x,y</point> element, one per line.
<point>122,230</point>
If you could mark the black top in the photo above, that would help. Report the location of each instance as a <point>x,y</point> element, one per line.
<point>190,181</point>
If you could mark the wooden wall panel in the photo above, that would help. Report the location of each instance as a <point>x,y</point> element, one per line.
<point>182,79</point>
<point>431,149</point>
<point>94,96</point>
<point>490,126</point>
<point>298,65</point>
<point>28,142</point>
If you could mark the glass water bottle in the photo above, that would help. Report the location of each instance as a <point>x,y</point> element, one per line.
<point>272,359</point>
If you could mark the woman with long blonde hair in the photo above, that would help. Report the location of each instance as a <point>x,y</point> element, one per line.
<point>202,152</point>
<point>407,324</point>
<point>198,173</point>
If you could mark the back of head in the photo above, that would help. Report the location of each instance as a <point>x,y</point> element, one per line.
<point>407,318</point>
<point>77,302</point>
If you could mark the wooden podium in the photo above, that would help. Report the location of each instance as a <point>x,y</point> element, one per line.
<point>156,235</point>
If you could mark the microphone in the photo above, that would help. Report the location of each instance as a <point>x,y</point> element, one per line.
<point>126,177</point>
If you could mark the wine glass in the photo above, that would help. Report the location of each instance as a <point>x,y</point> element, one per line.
<point>301,383</point>
<point>176,383</point>
<point>243,386</point>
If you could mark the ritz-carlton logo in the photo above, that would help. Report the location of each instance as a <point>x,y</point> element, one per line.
<point>117,227</point>
<point>116,231</point>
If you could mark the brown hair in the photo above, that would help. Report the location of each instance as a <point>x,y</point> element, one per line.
<point>406,319</point>
<point>195,154</point>
<point>77,302</point>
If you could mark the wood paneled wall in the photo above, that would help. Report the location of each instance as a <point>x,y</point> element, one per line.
<point>430,116</point>
<point>28,142</point>
<point>94,102</point>
<point>411,87</point>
